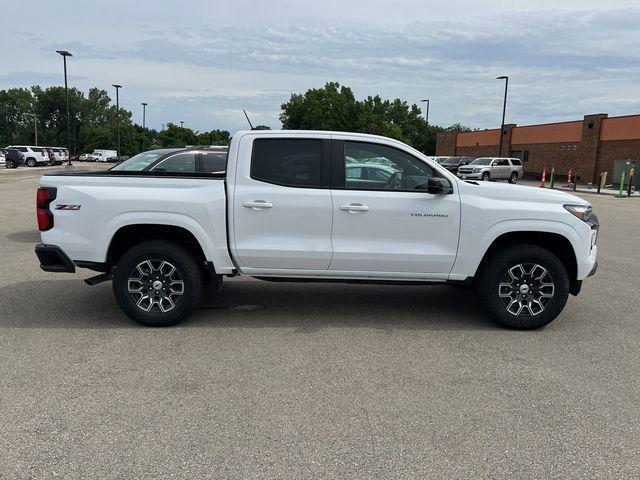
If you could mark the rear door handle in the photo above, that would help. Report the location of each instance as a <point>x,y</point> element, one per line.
<point>355,208</point>
<point>258,205</point>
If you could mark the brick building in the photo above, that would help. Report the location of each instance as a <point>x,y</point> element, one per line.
<point>588,146</point>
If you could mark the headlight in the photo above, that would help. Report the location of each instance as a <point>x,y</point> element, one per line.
<point>476,170</point>
<point>583,212</point>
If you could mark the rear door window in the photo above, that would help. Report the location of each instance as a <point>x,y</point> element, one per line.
<point>516,162</point>
<point>289,162</point>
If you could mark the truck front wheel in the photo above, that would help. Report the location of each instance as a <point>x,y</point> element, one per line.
<point>523,287</point>
<point>157,283</point>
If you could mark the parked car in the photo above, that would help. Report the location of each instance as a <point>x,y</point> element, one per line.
<point>166,225</point>
<point>439,159</point>
<point>13,158</point>
<point>2,157</point>
<point>453,163</point>
<point>86,157</point>
<point>103,155</point>
<point>33,156</point>
<point>60,155</point>
<point>368,174</point>
<point>492,168</point>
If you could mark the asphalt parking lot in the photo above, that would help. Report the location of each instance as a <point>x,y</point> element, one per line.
<point>315,381</point>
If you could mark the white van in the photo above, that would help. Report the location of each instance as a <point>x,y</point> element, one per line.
<point>33,156</point>
<point>103,155</point>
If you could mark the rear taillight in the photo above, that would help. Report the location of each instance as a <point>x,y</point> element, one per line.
<point>44,197</point>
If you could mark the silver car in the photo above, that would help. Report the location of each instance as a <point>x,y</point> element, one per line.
<point>492,168</point>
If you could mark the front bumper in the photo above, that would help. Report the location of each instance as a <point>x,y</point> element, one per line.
<point>469,176</point>
<point>53,259</point>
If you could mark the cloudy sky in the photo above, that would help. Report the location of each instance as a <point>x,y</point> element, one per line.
<point>203,61</point>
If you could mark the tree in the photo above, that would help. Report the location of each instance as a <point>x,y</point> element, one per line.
<point>334,107</point>
<point>16,109</point>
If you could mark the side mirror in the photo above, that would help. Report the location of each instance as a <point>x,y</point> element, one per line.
<point>438,186</point>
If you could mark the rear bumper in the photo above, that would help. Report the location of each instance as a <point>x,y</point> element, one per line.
<point>53,259</point>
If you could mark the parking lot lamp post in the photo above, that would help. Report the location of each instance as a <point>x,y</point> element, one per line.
<point>144,122</point>
<point>66,54</point>
<point>35,127</point>
<point>181,124</point>
<point>426,117</point>
<point>118,87</point>
<point>427,113</point>
<point>504,110</point>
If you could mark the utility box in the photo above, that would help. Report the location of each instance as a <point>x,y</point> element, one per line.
<point>625,166</point>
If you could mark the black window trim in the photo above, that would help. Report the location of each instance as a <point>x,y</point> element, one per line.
<point>338,174</point>
<point>325,162</point>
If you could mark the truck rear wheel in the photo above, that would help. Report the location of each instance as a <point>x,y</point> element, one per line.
<point>523,287</point>
<point>513,178</point>
<point>157,283</point>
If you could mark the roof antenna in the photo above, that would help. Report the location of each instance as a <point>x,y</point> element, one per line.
<point>245,114</point>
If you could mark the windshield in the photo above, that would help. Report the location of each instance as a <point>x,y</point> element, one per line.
<point>450,161</point>
<point>481,161</point>
<point>141,161</point>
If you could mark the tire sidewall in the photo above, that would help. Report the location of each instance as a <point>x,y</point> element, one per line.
<point>31,163</point>
<point>486,177</point>
<point>497,267</point>
<point>187,268</point>
<point>513,178</point>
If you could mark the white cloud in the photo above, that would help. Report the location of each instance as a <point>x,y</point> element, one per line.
<point>203,62</point>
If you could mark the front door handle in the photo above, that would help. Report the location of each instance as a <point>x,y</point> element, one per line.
<point>355,208</point>
<point>258,205</point>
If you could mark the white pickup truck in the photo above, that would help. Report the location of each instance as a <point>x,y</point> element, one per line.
<point>168,225</point>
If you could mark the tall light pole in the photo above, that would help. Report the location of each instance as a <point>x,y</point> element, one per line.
<point>427,114</point>
<point>118,87</point>
<point>427,120</point>
<point>144,122</point>
<point>66,54</point>
<point>35,127</point>
<point>504,110</point>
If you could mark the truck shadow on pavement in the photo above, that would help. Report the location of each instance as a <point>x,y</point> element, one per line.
<point>303,307</point>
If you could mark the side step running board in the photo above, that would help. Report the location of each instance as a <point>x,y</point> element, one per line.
<point>103,277</point>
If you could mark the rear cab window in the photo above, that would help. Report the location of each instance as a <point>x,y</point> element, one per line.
<point>214,161</point>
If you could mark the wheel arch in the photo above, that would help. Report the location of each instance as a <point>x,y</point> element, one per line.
<point>128,236</point>
<point>556,243</point>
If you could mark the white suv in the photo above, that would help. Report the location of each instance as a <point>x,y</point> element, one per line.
<point>492,168</point>
<point>33,156</point>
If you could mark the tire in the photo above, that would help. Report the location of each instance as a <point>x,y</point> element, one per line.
<point>513,178</point>
<point>31,162</point>
<point>486,176</point>
<point>500,285</point>
<point>153,261</point>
